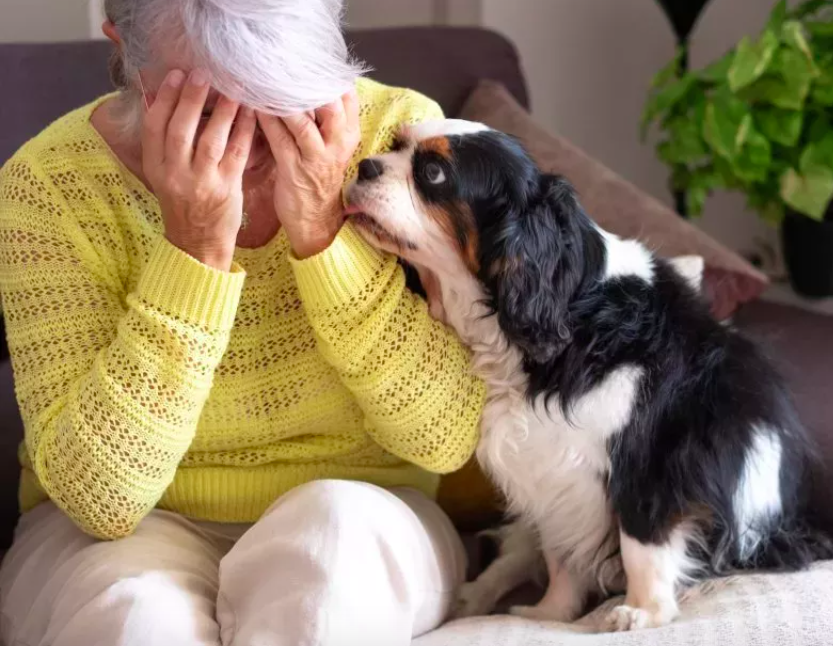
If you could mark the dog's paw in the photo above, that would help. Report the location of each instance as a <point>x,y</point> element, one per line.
<point>474,600</point>
<point>626,618</point>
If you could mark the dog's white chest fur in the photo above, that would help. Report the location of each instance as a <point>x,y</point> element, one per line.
<point>551,469</point>
<point>555,471</point>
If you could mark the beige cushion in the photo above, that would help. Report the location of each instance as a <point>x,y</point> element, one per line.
<point>747,610</point>
<point>617,205</point>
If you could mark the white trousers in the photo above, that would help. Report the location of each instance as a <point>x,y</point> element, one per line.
<point>331,563</point>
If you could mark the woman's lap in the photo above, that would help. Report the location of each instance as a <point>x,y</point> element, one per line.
<point>59,586</point>
<point>328,563</point>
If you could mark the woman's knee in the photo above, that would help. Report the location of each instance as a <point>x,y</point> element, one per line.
<point>59,586</point>
<point>380,566</point>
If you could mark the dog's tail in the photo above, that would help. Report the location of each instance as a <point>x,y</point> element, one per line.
<point>791,545</point>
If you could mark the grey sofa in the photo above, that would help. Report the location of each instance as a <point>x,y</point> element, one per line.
<point>41,82</point>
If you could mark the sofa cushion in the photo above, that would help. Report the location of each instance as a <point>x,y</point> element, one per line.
<point>746,610</point>
<point>617,205</point>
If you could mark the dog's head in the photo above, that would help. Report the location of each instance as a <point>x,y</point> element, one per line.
<point>458,198</point>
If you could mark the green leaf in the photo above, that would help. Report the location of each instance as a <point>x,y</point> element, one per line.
<point>753,161</point>
<point>773,212</point>
<point>820,29</point>
<point>670,71</point>
<point>793,34</point>
<point>822,92</point>
<point>726,172</point>
<point>791,62</point>
<point>752,60</point>
<point>818,153</point>
<point>771,209</point>
<point>786,85</point>
<point>778,15</point>
<point>780,126</point>
<point>718,71</point>
<point>680,178</point>
<point>766,201</point>
<point>726,124</point>
<point>808,192</point>
<point>665,99</point>
<point>696,201</point>
<point>684,145</point>
<point>809,8</point>
<point>820,126</point>
<point>700,184</point>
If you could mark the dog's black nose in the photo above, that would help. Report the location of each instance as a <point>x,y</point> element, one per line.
<point>370,169</point>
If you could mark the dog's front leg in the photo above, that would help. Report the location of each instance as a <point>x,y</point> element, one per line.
<point>653,572</point>
<point>565,596</point>
<point>519,561</point>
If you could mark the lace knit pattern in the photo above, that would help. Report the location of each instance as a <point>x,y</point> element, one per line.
<point>146,378</point>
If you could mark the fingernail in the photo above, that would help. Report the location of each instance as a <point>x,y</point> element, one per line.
<point>199,78</point>
<point>175,78</point>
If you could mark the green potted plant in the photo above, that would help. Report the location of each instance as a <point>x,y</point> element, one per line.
<point>760,121</point>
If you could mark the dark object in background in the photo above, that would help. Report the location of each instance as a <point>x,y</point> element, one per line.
<point>683,15</point>
<point>808,253</point>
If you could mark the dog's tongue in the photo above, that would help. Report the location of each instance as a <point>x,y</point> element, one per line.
<point>352,209</point>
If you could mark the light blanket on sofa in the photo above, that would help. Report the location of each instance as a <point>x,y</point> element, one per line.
<point>746,610</point>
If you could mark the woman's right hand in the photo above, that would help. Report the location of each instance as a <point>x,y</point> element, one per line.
<point>199,184</point>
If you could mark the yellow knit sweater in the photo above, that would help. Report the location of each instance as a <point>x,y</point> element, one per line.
<point>148,379</point>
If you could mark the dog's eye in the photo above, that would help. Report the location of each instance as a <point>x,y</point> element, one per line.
<point>433,172</point>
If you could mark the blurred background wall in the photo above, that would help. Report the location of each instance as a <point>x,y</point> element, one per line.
<point>588,62</point>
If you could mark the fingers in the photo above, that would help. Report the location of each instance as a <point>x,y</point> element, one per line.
<point>340,121</point>
<point>280,139</point>
<point>305,132</point>
<point>179,144</point>
<point>155,126</point>
<point>211,147</point>
<point>351,111</point>
<point>240,144</point>
<point>352,129</point>
<point>332,120</point>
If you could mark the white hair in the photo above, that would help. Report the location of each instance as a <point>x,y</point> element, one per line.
<point>278,56</point>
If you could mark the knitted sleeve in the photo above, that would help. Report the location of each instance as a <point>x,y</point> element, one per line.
<point>110,384</point>
<point>409,373</point>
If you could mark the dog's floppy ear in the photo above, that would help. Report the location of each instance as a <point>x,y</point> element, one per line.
<point>538,267</point>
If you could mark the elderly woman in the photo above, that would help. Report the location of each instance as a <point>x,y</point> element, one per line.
<point>235,411</point>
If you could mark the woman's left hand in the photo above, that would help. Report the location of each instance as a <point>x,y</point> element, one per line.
<point>312,156</point>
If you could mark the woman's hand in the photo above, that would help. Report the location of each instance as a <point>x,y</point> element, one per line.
<point>199,184</point>
<point>311,162</point>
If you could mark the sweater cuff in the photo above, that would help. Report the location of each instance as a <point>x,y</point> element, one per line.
<point>340,272</point>
<point>183,287</point>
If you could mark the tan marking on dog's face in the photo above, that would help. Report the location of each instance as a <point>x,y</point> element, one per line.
<point>457,223</point>
<point>437,145</point>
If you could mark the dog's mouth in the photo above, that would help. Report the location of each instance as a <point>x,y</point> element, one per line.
<point>363,220</point>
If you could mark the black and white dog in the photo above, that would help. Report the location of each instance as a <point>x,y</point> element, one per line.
<point>639,439</point>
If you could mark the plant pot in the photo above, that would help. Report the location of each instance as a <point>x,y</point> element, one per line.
<point>808,253</point>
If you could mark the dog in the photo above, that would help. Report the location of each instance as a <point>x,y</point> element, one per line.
<point>639,443</point>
